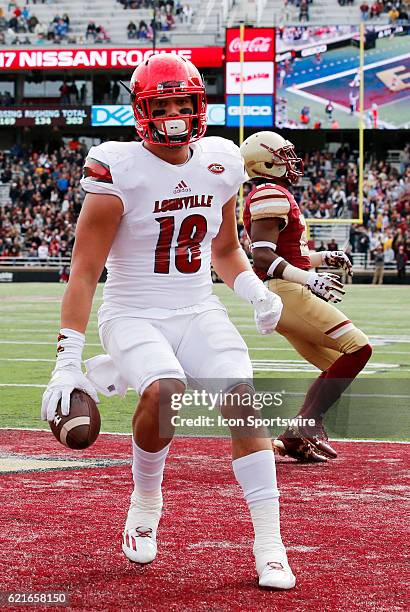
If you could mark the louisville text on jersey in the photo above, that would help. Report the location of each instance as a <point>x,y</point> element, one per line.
<point>195,201</point>
<point>97,171</point>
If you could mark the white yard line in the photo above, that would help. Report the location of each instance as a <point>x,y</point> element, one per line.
<point>274,349</point>
<point>30,343</point>
<point>26,359</point>
<point>22,385</point>
<point>128,435</point>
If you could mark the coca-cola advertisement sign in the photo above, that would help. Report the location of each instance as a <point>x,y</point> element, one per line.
<point>258,44</point>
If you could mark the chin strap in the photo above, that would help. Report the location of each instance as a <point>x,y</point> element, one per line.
<point>125,87</point>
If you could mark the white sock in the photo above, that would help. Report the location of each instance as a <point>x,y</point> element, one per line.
<point>256,473</point>
<point>146,499</point>
<point>148,468</point>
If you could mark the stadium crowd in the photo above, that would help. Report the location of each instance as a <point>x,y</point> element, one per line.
<point>397,12</point>
<point>165,18</point>
<point>20,21</point>
<point>290,37</point>
<point>329,190</point>
<point>45,199</point>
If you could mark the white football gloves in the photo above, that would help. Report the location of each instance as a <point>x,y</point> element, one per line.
<point>268,312</point>
<point>337,259</point>
<point>326,286</point>
<point>66,376</point>
<point>63,381</point>
<point>268,306</point>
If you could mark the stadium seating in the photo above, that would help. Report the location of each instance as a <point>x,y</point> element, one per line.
<point>277,12</point>
<point>206,28</point>
<point>43,204</point>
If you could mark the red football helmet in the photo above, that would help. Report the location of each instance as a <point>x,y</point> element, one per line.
<point>164,76</point>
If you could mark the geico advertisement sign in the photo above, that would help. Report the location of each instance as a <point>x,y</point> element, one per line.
<point>256,77</point>
<point>118,115</point>
<point>256,110</point>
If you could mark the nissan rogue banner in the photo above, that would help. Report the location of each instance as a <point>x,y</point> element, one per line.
<point>127,57</point>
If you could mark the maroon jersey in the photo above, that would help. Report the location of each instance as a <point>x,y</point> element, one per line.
<point>269,200</point>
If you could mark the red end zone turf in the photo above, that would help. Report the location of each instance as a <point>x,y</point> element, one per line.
<point>343,523</point>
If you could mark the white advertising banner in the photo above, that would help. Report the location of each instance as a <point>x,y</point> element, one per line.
<point>257,78</point>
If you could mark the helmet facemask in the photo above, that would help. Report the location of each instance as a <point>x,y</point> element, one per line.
<point>176,130</point>
<point>285,158</point>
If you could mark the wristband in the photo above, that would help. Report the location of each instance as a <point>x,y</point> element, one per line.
<point>70,344</point>
<point>262,243</point>
<point>249,287</point>
<point>274,265</point>
<point>295,275</point>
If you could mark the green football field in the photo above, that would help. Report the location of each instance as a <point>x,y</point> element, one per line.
<point>376,407</point>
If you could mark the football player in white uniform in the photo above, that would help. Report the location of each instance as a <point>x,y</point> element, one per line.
<point>156,213</point>
<point>320,332</point>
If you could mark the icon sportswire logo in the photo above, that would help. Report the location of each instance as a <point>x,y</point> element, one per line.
<point>182,187</point>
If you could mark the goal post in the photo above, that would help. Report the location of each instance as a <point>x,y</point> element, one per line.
<point>360,165</point>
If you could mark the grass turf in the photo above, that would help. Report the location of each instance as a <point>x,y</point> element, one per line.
<point>377,406</point>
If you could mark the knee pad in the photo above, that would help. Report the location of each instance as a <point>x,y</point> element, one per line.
<point>353,341</point>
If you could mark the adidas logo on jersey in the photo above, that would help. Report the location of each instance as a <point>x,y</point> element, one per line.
<point>182,187</point>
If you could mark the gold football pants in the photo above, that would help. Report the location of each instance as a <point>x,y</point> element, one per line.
<point>318,331</point>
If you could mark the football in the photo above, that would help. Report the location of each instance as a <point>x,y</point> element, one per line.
<point>81,427</point>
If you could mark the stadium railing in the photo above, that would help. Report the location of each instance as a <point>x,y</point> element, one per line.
<point>34,262</point>
<point>361,261</point>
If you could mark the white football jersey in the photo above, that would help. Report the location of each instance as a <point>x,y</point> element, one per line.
<point>161,255</point>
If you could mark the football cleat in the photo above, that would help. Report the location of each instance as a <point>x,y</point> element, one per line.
<point>317,436</point>
<point>277,575</point>
<point>293,444</point>
<point>139,544</point>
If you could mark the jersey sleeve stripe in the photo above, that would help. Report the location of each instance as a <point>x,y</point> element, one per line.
<point>268,196</point>
<point>280,207</point>
<point>97,171</point>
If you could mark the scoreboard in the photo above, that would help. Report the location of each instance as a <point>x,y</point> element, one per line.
<point>44,116</point>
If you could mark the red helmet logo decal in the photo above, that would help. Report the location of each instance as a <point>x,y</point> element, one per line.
<point>216,168</point>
